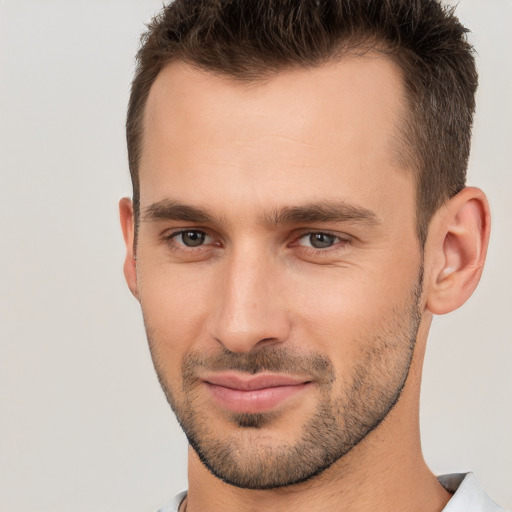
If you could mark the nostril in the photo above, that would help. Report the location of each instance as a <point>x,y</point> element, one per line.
<point>267,341</point>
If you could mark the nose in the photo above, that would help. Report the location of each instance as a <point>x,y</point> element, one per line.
<point>250,307</point>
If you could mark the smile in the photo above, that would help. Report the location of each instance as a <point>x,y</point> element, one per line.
<point>253,394</point>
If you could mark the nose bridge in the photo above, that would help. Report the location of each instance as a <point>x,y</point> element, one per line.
<point>249,307</point>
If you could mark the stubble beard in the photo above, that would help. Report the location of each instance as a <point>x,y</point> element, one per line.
<point>348,408</point>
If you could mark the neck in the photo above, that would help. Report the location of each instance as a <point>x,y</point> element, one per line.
<point>397,481</point>
<point>386,471</point>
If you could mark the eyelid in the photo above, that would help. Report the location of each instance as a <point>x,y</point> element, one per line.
<point>342,243</point>
<point>172,235</point>
<point>340,236</point>
<point>176,234</point>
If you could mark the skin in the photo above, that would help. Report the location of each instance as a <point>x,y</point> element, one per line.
<point>243,152</point>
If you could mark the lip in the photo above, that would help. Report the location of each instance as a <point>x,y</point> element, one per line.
<point>244,393</point>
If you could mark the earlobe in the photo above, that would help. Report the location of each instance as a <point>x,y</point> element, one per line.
<point>128,227</point>
<point>458,243</point>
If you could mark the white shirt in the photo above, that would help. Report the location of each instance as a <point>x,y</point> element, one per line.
<point>468,496</point>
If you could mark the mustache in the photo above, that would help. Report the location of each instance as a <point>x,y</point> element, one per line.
<point>278,360</point>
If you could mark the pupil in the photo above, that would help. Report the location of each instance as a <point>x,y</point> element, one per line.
<point>193,238</point>
<point>321,240</point>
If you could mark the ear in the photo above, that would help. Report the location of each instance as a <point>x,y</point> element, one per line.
<point>456,248</point>
<point>128,227</point>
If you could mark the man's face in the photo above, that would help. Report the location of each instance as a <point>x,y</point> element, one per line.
<point>278,266</point>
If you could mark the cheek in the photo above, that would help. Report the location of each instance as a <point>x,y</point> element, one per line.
<point>174,303</point>
<point>348,308</point>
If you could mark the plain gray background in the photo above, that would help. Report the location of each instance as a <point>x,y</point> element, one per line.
<point>83,423</point>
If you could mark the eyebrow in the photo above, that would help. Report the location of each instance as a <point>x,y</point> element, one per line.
<point>329,211</point>
<point>174,210</point>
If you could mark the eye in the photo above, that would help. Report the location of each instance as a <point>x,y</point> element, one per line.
<point>319,240</point>
<point>191,238</point>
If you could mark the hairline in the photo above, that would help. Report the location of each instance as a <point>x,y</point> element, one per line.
<point>404,144</point>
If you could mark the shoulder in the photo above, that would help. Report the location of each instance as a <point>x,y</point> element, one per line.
<point>467,494</point>
<point>174,504</point>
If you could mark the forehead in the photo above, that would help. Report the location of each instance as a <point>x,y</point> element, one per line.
<point>301,135</point>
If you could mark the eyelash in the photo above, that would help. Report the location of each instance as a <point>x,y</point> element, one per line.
<point>338,240</point>
<point>339,244</point>
<point>169,240</point>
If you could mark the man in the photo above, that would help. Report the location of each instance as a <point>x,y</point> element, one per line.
<point>299,215</point>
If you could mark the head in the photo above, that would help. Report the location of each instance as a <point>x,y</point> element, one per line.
<point>299,214</point>
<point>251,41</point>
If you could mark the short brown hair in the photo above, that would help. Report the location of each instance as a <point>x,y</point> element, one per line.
<point>251,39</point>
